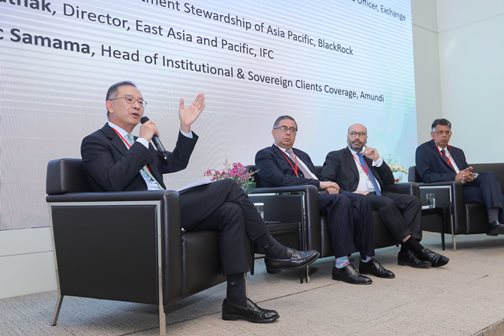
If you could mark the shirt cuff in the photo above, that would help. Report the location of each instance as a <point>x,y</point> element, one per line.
<point>143,142</point>
<point>187,134</point>
<point>378,163</point>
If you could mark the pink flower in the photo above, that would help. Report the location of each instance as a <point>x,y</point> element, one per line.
<point>236,171</point>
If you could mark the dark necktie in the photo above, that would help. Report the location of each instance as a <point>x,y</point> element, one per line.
<point>369,173</point>
<point>445,159</point>
<point>293,157</point>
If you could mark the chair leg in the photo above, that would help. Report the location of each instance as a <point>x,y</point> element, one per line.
<point>304,274</point>
<point>59,301</point>
<point>162,320</point>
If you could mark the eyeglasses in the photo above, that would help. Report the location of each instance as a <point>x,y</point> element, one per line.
<point>285,129</point>
<point>441,132</point>
<point>357,134</point>
<point>132,100</point>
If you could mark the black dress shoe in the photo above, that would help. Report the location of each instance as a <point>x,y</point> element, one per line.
<point>408,258</point>
<point>495,228</point>
<point>373,267</point>
<point>436,259</point>
<point>251,312</point>
<point>350,275</point>
<point>296,259</point>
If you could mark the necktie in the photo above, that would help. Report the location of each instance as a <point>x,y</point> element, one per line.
<point>293,157</point>
<point>131,138</point>
<point>445,159</point>
<point>369,173</point>
<point>152,183</point>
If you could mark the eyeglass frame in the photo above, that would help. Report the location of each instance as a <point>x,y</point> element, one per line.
<point>441,132</point>
<point>131,100</point>
<point>286,129</point>
<point>354,134</point>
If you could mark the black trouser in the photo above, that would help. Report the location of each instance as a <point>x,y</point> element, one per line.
<point>401,214</point>
<point>350,223</point>
<point>224,207</point>
<point>485,189</point>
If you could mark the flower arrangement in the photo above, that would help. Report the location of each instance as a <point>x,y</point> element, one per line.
<point>395,166</point>
<point>235,171</point>
<point>400,172</point>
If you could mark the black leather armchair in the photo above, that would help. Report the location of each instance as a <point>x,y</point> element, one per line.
<point>466,218</point>
<point>303,208</point>
<point>125,246</point>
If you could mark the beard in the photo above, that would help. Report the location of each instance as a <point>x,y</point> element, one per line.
<point>357,145</point>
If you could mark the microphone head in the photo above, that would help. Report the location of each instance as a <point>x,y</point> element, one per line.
<point>144,119</point>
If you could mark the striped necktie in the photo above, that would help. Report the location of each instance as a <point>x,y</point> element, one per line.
<point>445,159</point>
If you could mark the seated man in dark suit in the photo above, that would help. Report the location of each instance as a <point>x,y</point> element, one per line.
<point>360,169</point>
<point>348,215</point>
<point>438,161</point>
<point>115,161</point>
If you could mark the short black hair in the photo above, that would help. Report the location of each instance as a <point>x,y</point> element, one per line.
<point>442,122</point>
<point>113,89</point>
<point>282,117</point>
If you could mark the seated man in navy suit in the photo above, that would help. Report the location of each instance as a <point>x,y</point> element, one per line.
<point>114,160</point>
<point>438,161</point>
<point>359,168</point>
<point>348,215</point>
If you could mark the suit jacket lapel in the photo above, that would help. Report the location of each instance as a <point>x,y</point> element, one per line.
<point>350,161</point>
<point>437,153</point>
<point>114,139</point>
<point>456,157</point>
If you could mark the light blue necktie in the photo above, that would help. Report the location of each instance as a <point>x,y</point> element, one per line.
<point>369,173</point>
<point>131,138</point>
<point>150,180</point>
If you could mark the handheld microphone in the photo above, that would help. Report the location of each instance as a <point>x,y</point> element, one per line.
<point>155,139</point>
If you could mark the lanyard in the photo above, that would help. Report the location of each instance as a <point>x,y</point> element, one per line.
<point>122,138</point>
<point>365,168</point>
<point>294,167</point>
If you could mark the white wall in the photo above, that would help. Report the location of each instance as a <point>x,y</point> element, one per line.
<point>458,67</point>
<point>471,54</point>
<point>427,82</point>
<point>26,262</point>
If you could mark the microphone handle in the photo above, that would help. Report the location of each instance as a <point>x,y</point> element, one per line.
<point>159,145</point>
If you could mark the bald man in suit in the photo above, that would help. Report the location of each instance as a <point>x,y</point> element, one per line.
<point>348,215</point>
<point>359,168</point>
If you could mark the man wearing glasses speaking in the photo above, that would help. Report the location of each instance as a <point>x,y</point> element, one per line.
<point>437,161</point>
<point>115,160</point>
<point>348,215</point>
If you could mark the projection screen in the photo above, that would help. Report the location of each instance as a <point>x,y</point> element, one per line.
<point>326,63</point>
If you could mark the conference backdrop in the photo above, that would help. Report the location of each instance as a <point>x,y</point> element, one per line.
<point>327,63</point>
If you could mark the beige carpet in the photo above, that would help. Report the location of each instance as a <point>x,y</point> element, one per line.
<point>466,297</point>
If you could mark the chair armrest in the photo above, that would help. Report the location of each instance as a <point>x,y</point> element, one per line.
<point>118,196</point>
<point>299,188</point>
<point>411,188</point>
<point>293,203</point>
<point>279,206</point>
<point>79,219</point>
